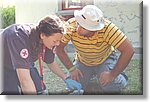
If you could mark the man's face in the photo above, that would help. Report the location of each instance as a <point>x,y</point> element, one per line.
<point>51,41</point>
<point>83,32</point>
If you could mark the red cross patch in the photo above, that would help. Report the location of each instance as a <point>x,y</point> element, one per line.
<point>24,53</point>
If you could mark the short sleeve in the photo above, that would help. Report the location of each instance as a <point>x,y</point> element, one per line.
<point>113,35</point>
<point>19,50</point>
<point>49,56</point>
<point>70,27</point>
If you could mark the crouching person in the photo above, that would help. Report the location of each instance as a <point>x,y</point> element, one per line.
<point>96,40</point>
<point>23,44</point>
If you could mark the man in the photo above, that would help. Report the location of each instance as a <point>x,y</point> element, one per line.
<point>23,45</point>
<point>96,40</point>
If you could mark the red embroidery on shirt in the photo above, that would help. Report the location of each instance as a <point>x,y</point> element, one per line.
<point>24,53</point>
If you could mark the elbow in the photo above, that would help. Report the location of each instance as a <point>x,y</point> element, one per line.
<point>129,52</point>
<point>59,50</point>
<point>126,49</point>
<point>132,51</point>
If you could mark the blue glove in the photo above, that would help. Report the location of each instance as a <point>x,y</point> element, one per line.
<point>73,85</point>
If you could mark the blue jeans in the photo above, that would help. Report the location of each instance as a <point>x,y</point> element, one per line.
<point>88,71</point>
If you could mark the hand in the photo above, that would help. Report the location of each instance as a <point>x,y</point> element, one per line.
<point>105,78</point>
<point>73,85</point>
<point>75,74</point>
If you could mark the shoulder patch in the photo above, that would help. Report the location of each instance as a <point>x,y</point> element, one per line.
<point>24,53</point>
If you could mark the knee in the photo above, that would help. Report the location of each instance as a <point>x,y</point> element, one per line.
<point>121,80</point>
<point>116,85</point>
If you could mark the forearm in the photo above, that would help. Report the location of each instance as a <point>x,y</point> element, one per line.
<point>54,67</point>
<point>122,63</point>
<point>71,84</point>
<point>64,58</point>
<point>28,87</point>
<point>127,52</point>
<point>26,82</point>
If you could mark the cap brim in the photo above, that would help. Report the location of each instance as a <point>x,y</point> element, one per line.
<point>81,21</point>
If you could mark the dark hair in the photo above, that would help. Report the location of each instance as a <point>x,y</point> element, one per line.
<point>49,25</point>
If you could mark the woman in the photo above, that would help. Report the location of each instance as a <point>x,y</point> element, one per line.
<point>23,45</point>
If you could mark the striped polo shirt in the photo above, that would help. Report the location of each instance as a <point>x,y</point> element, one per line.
<point>94,50</point>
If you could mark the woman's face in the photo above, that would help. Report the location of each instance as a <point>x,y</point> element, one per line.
<point>51,41</point>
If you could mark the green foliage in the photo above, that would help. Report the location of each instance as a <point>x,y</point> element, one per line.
<point>8,16</point>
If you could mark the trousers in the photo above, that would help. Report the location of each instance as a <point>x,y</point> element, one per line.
<point>88,71</point>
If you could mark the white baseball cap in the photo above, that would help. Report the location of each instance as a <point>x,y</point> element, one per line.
<point>90,18</point>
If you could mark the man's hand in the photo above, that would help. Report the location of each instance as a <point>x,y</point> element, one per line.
<point>73,85</point>
<point>106,77</point>
<point>75,74</point>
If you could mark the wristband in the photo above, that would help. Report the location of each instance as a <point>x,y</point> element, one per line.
<point>72,69</point>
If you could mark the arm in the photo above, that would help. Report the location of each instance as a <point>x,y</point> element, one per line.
<point>63,55</point>
<point>54,67</point>
<point>71,84</point>
<point>66,61</point>
<point>127,52</point>
<point>26,82</point>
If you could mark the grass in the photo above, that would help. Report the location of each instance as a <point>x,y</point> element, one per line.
<point>134,71</point>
